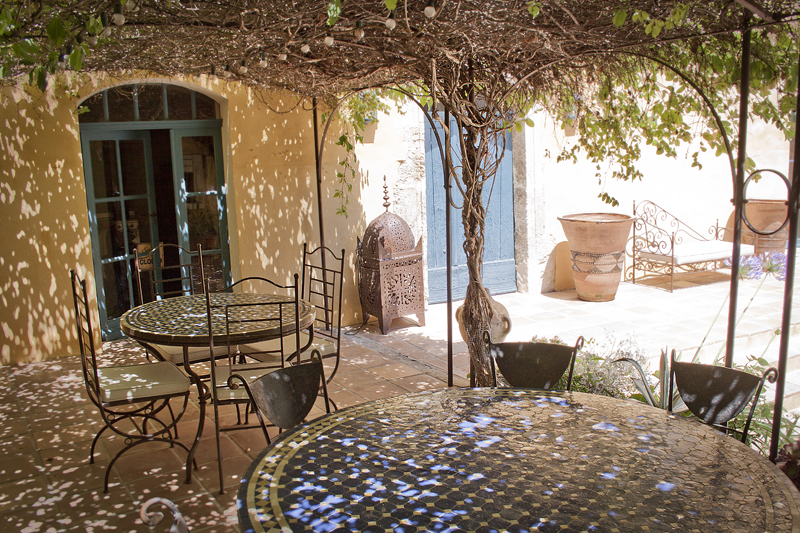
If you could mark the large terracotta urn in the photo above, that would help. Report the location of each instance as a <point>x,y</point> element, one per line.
<point>597,245</point>
<point>766,215</point>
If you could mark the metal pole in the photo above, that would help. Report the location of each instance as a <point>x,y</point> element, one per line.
<point>447,240</point>
<point>738,196</point>
<point>791,259</point>
<point>318,161</point>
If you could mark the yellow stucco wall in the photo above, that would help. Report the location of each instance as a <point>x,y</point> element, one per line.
<point>272,207</point>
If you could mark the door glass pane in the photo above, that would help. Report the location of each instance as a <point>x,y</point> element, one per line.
<point>179,103</point>
<point>94,109</point>
<point>120,104</point>
<point>138,225</point>
<point>206,107</point>
<point>104,168</point>
<point>212,268</point>
<point>151,102</point>
<point>109,228</point>
<point>203,221</point>
<point>115,285</point>
<point>134,178</point>
<point>199,166</point>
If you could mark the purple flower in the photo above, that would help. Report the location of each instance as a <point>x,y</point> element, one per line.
<point>774,263</point>
<point>750,267</point>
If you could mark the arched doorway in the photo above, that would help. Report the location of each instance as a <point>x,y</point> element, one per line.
<point>153,168</point>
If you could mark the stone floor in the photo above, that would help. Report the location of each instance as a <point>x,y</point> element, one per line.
<point>47,483</point>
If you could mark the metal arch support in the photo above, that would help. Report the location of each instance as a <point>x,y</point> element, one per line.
<point>445,158</point>
<point>791,261</point>
<point>745,200</point>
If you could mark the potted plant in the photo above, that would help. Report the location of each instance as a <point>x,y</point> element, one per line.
<point>597,245</point>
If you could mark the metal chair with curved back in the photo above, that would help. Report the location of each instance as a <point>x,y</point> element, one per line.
<point>321,287</point>
<point>717,394</point>
<point>129,397</point>
<point>532,365</point>
<point>272,314</point>
<point>286,396</point>
<point>166,271</point>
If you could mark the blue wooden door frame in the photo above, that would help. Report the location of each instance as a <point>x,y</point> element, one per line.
<point>182,195</point>
<point>110,327</point>
<point>499,268</point>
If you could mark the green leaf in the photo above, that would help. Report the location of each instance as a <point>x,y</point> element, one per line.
<point>26,50</point>
<point>56,32</point>
<point>390,4</point>
<point>334,10</point>
<point>620,17</point>
<point>657,25</point>
<point>518,127</point>
<point>534,8</point>
<point>529,122</point>
<point>6,22</point>
<point>38,77</point>
<point>94,25</point>
<point>76,58</point>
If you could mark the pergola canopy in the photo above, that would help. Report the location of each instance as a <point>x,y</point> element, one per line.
<point>533,44</point>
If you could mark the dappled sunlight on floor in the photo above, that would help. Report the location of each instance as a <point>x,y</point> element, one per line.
<point>48,484</point>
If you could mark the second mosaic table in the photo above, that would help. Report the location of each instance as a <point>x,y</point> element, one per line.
<point>512,460</point>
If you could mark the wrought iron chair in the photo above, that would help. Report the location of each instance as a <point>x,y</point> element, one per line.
<point>266,315</point>
<point>321,286</point>
<point>166,271</point>
<point>533,365</point>
<point>717,394</point>
<point>152,518</point>
<point>129,397</point>
<point>286,396</point>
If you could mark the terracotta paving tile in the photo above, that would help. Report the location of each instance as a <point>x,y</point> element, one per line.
<point>154,462</point>
<point>207,449</point>
<point>233,468</point>
<point>420,383</point>
<point>57,418</point>
<point>19,467</point>
<point>81,477</point>
<point>345,398</point>
<point>65,436</point>
<point>171,485</point>
<point>13,426</point>
<point>17,444</point>
<point>76,453</point>
<point>394,371</point>
<point>22,492</point>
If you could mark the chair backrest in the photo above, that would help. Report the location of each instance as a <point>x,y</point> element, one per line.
<point>717,394</point>
<point>287,395</point>
<point>534,365</point>
<point>258,315</point>
<point>169,270</point>
<point>322,288</point>
<point>83,321</point>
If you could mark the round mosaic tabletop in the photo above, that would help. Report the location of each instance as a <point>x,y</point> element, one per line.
<point>478,460</point>
<point>183,320</point>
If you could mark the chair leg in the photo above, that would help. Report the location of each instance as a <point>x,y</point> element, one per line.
<point>219,452</point>
<point>94,443</point>
<point>190,460</point>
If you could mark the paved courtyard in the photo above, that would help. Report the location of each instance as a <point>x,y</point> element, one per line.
<point>47,483</point>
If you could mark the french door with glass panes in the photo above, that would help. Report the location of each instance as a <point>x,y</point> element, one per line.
<point>146,187</point>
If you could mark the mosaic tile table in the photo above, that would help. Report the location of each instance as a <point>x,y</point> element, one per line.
<point>512,460</point>
<point>182,321</point>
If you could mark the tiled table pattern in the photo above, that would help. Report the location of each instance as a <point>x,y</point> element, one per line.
<point>474,460</point>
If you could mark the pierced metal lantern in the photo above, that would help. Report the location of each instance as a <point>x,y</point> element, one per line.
<point>390,270</point>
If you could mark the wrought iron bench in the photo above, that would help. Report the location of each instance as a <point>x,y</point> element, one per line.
<point>663,245</point>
